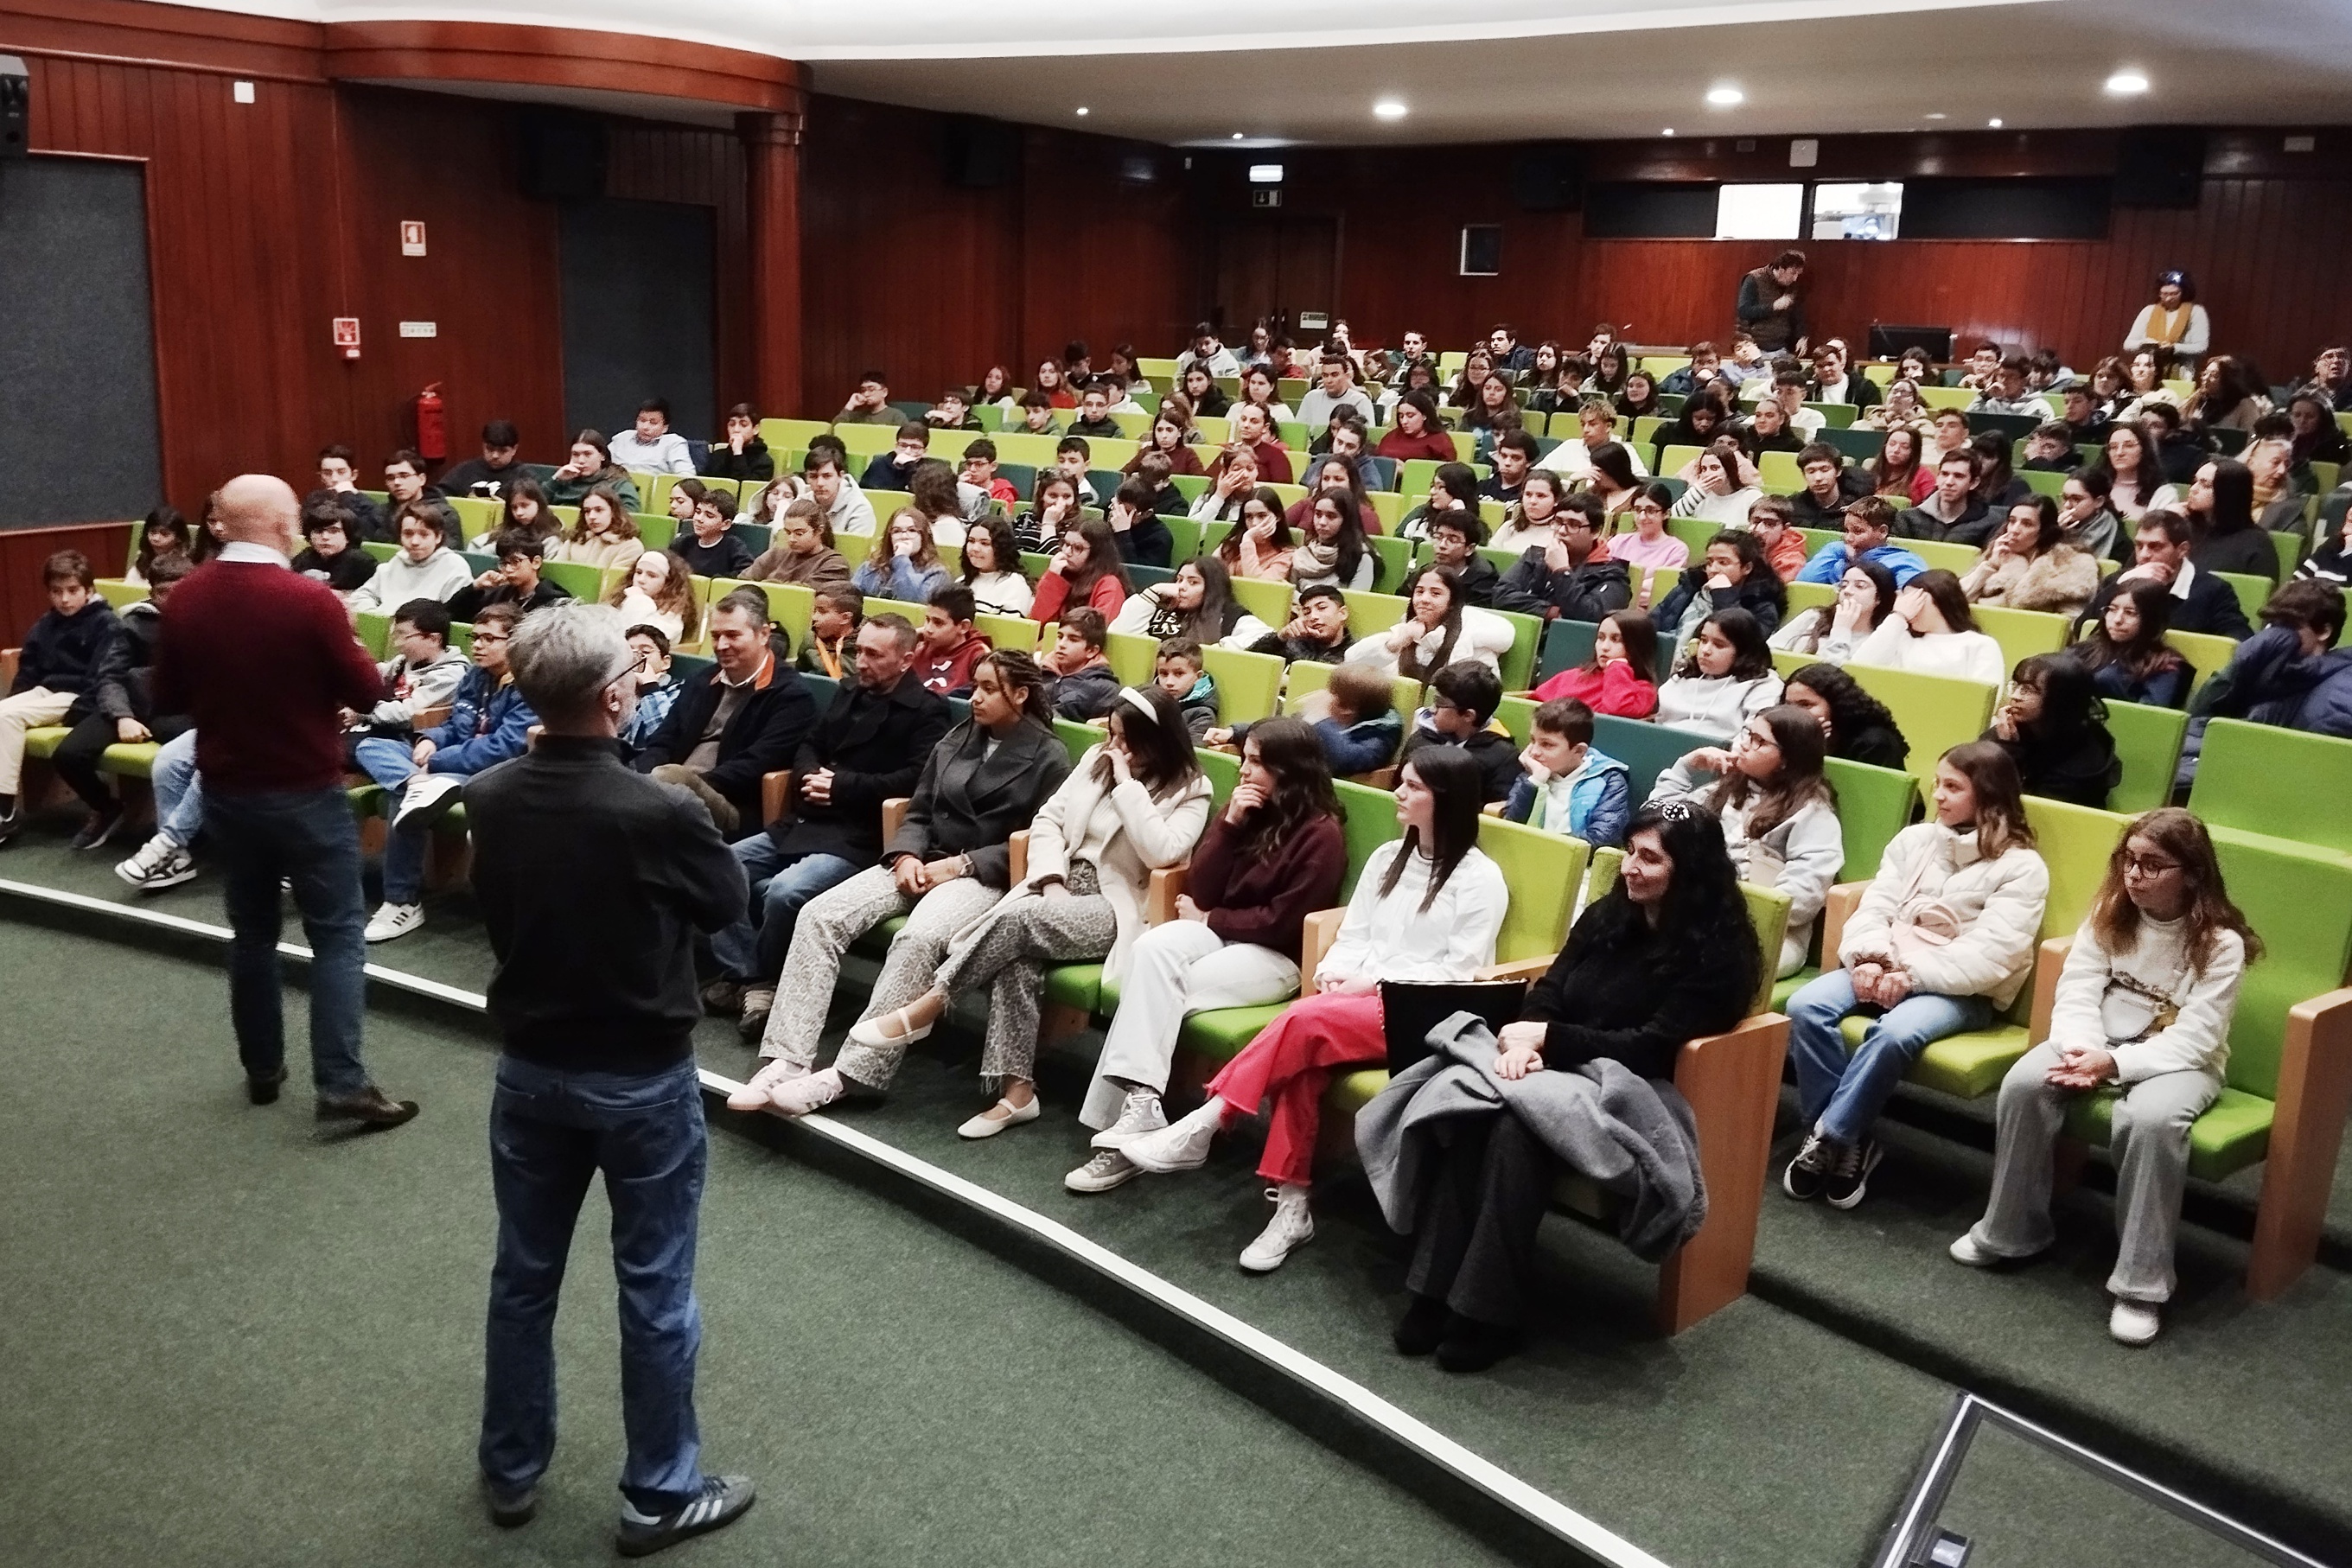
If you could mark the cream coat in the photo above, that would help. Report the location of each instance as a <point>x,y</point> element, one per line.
<point>1126,833</point>
<point>1998,903</point>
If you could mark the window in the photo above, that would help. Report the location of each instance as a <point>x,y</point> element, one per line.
<point>1266,173</point>
<point>1857,211</point>
<point>1759,212</point>
<point>1482,250</point>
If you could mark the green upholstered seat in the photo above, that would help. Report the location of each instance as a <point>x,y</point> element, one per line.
<point>129,758</point>
<point>1248,684</point>
<point>1080,985</point>
<point>2021,633</point>
<point>1874,805</point>
<point>2147,740</point>
<point>1969,1065</point>
<point>2262,779</point>
<point>2233,1133</point>
<point>1646,749</point>
<point>1566,646</point>
<point>44,741</point>
<point>1935,712</point>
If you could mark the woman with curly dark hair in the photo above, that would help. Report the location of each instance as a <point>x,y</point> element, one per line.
<point>1858,726</point>
<point>1667,955</point>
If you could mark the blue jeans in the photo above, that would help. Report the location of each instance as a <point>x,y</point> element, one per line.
<point>551,1132</point>
<point>388,762</point>
<point>179,790</point>
<point>309,839</point>
<point>753,948</point>
<point>1843,1094</point>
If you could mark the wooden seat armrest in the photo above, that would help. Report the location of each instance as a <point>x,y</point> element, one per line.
<point>1492,808</point>
<point>1732,1082</point>
<point>1315,938</point>
<point>893,816</point>
<point>431,719</point>
<point>1528,968</point>
<point>1379,778</point>
<point>8,659</point>
<point>1842,900</point>
<point>1160,897</point>
<point>775,794</point>
<point>1017,849</point>
<point>2047,962</point>
<point>2314,1095</point>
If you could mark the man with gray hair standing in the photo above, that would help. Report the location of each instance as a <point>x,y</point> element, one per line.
<point>593,880</point>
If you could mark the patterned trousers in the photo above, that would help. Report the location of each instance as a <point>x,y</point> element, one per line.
<point>1009,958</point>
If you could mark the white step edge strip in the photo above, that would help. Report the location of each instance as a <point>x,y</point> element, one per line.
<point>1530,1502</point>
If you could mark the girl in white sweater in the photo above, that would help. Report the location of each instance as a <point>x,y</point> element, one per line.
<point>1931,632</point>
<point>1779,814</point>
<point>2143,1012</point>
<point>1428,907</point>
<point>1942,943</point>
<point>1439,627</point>
<point>1726,679</point>
<point>1133,805</point>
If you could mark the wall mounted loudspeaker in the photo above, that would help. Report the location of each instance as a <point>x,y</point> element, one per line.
<point>563,155</point>
<point>979,154</point>
<point>1549,179</point>
<point>2159,166</point>
<point>16,106</point>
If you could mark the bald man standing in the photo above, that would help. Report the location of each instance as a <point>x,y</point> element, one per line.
<point>264,661</point>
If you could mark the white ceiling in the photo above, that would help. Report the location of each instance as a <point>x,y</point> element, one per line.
<point>1308,71</point>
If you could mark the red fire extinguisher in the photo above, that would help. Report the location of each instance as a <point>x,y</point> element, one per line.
<point>432,428</point>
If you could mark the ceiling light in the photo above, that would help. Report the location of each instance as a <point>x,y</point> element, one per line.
<point>1936,117</point>
<point>1725,97</point>
<point>1389,109</point>
<point>1993,124</point>
<point>1668,132</point>
<point>2127,81</point>
<point>1237,136</point>
<point>1082,109</point>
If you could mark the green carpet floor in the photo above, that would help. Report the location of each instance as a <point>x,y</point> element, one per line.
<point>1681,1446</point>
<point>231,1342</point>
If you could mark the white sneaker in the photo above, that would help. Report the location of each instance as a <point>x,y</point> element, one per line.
<point>1181,1146</point>
<point>394,921</point>
<point>2134,1322</point>
<point>1107,1170</point>
<point>1141,1114</point>
<point>1972,1252</point>
<point>1291,1226</point>
<point>755,1094</point>
<point>159,863</point>
<point>799,1095</point>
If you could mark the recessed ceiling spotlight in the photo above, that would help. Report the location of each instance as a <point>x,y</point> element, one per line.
<point>1993,124</point>
<point>1725,97</point>
<point>1237,136</point>
<point>1083,110</point>
<point>1389,109</point>
<point>1668,132</point>
<point>2127,81</point>
<point>1937,116</point>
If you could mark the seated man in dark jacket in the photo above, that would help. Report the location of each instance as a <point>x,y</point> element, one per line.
<point>745,720</point>
<point>119,704</point>
<point>1572,577</point>
<point>869,747</point>
<point>2201,601</point>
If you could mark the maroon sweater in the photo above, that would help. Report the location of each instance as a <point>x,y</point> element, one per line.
<point>1265,900</point>
<point>263,660</point>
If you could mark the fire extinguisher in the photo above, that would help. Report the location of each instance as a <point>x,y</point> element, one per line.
<point>432,427</point>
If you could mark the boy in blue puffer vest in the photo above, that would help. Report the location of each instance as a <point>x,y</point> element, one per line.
<point>1566,787</point>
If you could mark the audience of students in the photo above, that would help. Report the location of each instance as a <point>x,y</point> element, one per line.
<point>903,564</point>
<point>1460,713</point>
<point>1570,575</point>
<point>651,447</point>
<point>708,546</point>
<point>1084,685</point>
<point>118,706</point>
<point>2051,723</point>
<point>742,455</point>
<point>588,467</point>
<point>1732,574</point>
<point>1317,632</point>
<point>606,533</point>
<point>516,580</point>
<point>1085,571</point>
<point>1832,632</point>
<point>2160,553</point>
<point>949,647</point>
<point>1439,627</point>
<point>1261,545</point>
<point>332,555</point>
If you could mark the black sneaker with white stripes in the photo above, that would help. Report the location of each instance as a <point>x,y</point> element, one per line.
<point>724,1500</point>
<point>1852,1178</point>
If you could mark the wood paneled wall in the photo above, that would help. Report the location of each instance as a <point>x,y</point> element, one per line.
<point>2266,242</point>
<point>23,599</point>
<point>930,283</point>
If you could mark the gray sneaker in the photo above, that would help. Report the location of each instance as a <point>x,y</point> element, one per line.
<point>1139,1115</point>
<point>1107,1169</point>
<point>159,863</point>
<point>724,1500</point>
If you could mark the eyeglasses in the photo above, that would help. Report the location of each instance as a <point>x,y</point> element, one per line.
<point>1749,741</point>
<point>2149,866</point>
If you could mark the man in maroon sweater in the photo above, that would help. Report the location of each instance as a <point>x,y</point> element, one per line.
<point>265,662</point>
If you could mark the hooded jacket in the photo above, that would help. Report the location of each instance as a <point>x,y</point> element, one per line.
<point>1599,801</point>
<point>488,723</point>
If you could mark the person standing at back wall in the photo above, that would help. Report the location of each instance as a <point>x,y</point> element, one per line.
<point>1771,306</point>
<point>265,662</point>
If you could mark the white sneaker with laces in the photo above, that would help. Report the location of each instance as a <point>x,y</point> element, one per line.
<point>756,1093</point>
<point>1972,1252</point>
<point>394,921</point>
<point>1292,1226</point>
<point>159,863</point>
<point>1180,1146</point>
<point>2134,1322</point>
<point>808,1091</point>
<point>1107,1169</point>
<point>1142,1113</point>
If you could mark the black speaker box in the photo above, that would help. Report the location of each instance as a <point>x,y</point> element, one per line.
<point>16,107</point>
<point>563,155</point>
<point>1549,179</point>
<point>979,154</point>
<point>2159,166</point>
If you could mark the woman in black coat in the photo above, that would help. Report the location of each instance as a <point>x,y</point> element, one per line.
<point>2054,728</point>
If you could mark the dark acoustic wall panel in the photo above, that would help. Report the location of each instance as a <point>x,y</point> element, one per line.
<point>2005,209</point>
<point>639,314</point>
<point>79,431</point>
<point>1635,209</point>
